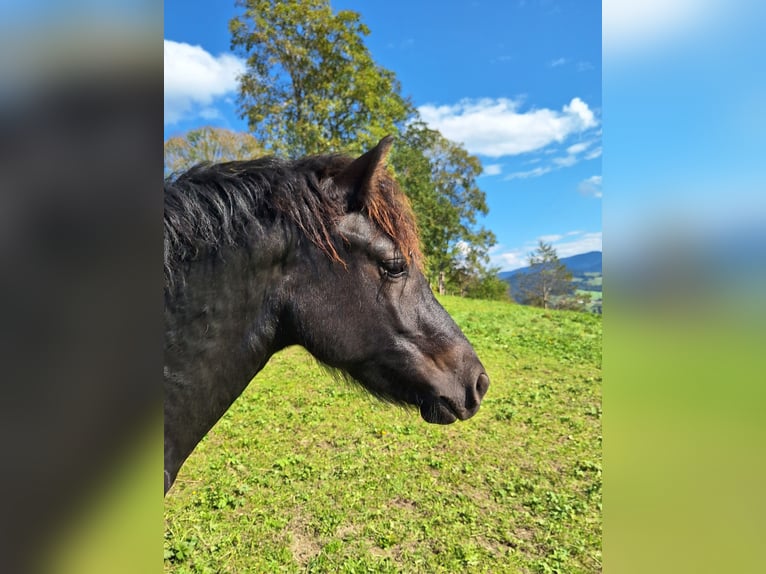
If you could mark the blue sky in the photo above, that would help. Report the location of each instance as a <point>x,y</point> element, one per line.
<point>518,83</point>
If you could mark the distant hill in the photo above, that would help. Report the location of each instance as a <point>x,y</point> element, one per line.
<point>585,269</point>
<point>583,263</point>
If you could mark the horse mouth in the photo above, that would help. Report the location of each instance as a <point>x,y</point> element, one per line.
<point>441,412</point>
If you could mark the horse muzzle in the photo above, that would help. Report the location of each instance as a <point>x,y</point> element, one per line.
<point>446,410</point>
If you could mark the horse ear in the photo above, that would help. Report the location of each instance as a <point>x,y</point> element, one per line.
<point>361,175</point>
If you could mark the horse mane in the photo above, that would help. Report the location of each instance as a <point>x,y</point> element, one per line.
<point>213,206</point>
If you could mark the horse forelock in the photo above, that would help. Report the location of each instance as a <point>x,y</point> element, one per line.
<point>388,208</point>
<point>212,206</point>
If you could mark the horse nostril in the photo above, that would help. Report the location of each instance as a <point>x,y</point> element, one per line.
<point>482,384</point>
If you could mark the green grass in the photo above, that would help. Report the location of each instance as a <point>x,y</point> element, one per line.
<point>307,474</point>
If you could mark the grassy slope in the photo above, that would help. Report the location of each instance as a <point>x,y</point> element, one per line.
<point>308,474</point>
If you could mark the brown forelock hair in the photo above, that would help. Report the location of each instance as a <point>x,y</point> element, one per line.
<point>390,209</point>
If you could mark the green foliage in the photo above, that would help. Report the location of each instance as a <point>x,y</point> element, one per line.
<point>208,144</point>
<point>311,84</point>
<point>549,284</point>
<point>439,177</point>
<point>481,283</point>
<point>306,473</point>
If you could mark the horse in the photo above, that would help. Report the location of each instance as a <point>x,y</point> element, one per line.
<point>321,252</point>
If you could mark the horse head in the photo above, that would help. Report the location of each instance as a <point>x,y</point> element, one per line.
<point>370,312</point>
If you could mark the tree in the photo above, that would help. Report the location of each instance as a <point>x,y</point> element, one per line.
<point>209,144</point>
<point>481,284</point>
<point>548,283</point>
<point>439,176</point>
<point>311,85</point>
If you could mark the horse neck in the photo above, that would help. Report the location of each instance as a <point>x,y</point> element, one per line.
<point>220,332</point>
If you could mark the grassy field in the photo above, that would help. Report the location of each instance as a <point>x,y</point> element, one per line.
<point>307,474</point>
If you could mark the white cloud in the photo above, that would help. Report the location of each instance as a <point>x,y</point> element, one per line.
<point>574,155</point>
<point>578,148</point>
<point>510,260</point>
<point>565,244</point>
<point>209,113</point>
<point>580,66</point>
<point>565,161</point>
<point>537,172</point>
<point>580,242</point>
<point>591,186</point>
<point>582,111</point>
<point>194,79</point>
<point>493,169</point>
<point>583,244</point>
<point>497,127</point>
<point>593,154</point>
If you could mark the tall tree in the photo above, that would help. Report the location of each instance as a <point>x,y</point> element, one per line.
<point>311,85</point>
<point>439,176</point>
<point>209,144</point>
<point>548,283</point>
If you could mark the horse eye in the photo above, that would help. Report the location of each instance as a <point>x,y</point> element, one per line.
<point>394,268</point>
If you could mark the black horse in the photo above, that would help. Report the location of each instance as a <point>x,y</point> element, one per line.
<point>320,252</point>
